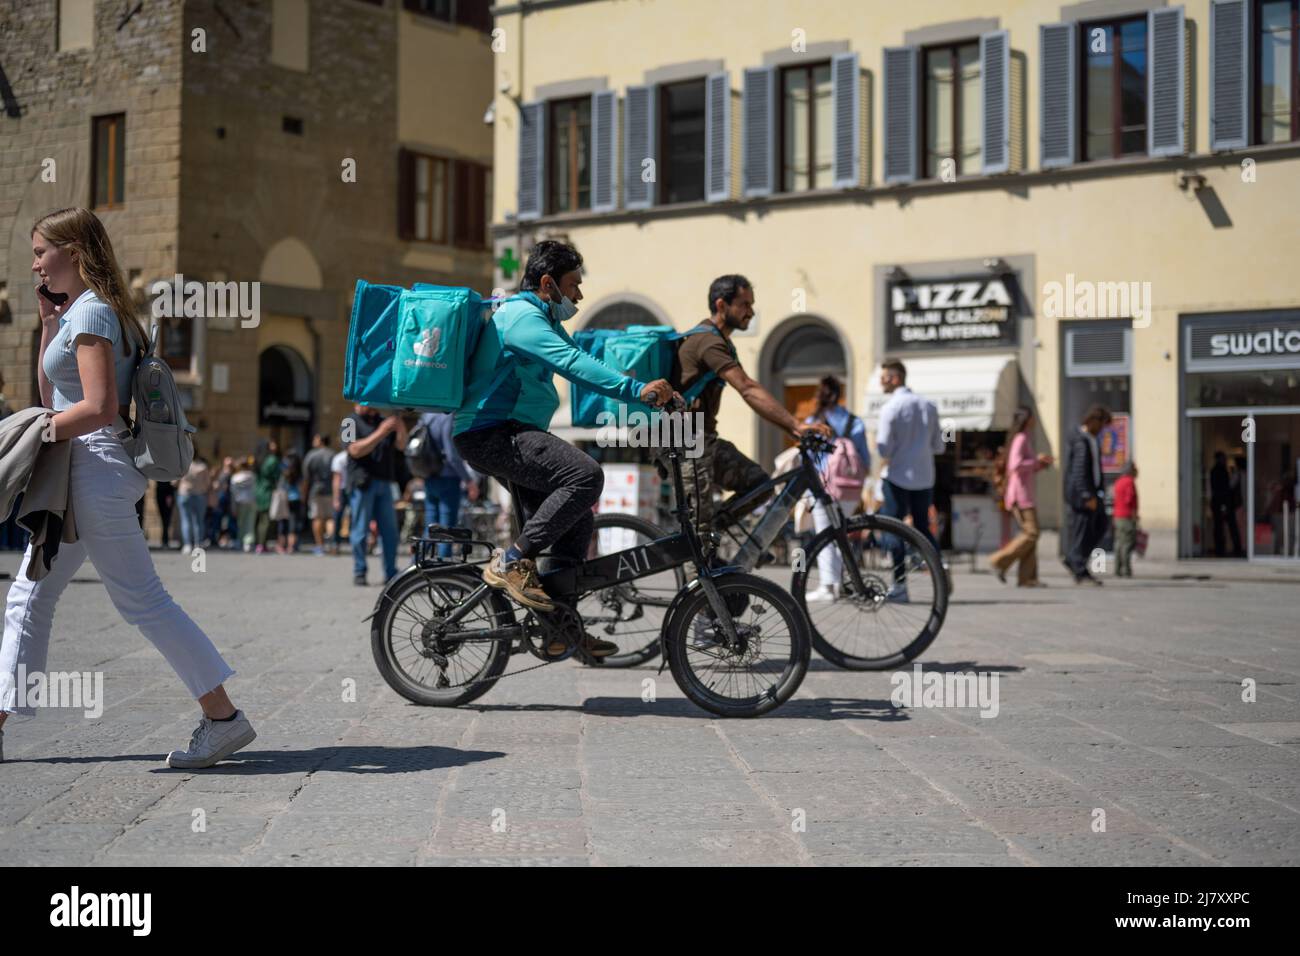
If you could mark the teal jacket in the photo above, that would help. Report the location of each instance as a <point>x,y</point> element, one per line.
<point>511,371</point>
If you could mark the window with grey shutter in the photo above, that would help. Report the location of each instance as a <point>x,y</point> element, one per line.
<point>900,114</point>
<point>758,136</point>
<point>604,174</point>
<point>532,153</point>
<point>717,137</point>
<point>846,96</point>
<point>995,98</point>
<point>1166,53</point>
<point>1056,122</point>
<point>638,146</point>
<point>1229,86</point>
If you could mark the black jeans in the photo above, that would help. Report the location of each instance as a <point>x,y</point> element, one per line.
<point>1087,528</point>
<point>899,503</point>
<point>556,484</point>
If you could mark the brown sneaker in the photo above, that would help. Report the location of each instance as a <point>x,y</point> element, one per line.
<point>518,579</point>
<point>592,645</point>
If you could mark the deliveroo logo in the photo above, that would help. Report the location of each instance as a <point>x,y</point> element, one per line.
<point>427,346</point>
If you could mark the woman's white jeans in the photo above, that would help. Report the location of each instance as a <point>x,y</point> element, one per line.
<point>829,563</point>
<point>105,486</point>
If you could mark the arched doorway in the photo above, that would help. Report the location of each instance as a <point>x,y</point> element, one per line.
<point>796,356</point>
<point>285,393</point>
<point>620,314</point>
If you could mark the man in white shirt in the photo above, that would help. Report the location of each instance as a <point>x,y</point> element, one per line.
<point>907,439</point>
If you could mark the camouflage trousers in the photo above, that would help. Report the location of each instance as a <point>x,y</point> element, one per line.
<point>721,467</point>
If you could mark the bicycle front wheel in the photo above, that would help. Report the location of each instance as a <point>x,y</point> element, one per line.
<point>630,614</point>
<point>760,670</point>
<point>896,612</point>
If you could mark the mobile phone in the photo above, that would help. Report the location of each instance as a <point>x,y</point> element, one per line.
<point>58,298</point>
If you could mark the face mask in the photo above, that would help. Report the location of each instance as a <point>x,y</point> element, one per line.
<point>564,310</point>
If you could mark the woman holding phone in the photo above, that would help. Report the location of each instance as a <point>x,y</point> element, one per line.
<point>88,352</point>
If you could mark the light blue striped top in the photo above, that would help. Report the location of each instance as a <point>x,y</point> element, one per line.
<point>87,315</point>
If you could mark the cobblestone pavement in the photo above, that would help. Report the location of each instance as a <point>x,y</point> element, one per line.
<point>1125,699</point>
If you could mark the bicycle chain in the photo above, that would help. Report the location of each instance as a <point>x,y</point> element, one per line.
<point>525,670</point>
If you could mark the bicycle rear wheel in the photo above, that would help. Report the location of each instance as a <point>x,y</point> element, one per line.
<point>404,639</point>
<point>630,614</point>
<point>866,628</point>
<point>761,671</point>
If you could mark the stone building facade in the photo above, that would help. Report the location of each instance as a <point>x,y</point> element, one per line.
<point>265,144</point>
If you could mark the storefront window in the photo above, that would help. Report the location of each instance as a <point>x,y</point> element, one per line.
<point>1241,390</point>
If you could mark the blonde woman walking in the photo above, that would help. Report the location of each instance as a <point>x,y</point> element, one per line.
<point>87,357</point>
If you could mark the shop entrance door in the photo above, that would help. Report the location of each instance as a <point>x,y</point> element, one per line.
<point>1242,479</point>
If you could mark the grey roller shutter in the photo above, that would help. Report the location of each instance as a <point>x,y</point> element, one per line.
<point>638,146</point>
<point>1166,83</point>
<point>758,136</point>
<point>604,174</point>
<point>900,114</point>
<point>717,137</point>
<point>995,96</point>
<point>1056,123</point>
<point>1229,87</point>
<point>846,104</point>
<point>532,157</point>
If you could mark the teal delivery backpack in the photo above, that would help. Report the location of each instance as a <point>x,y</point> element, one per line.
<point>410,348</point>
<point>643,351</point>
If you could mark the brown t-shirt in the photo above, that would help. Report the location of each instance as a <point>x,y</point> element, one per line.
<point>698,355</point>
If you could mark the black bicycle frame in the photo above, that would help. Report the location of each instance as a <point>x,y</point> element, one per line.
<point>639,561</point>
<point>796,482</point>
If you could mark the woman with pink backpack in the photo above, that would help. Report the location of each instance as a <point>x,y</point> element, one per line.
<point>844,472</point>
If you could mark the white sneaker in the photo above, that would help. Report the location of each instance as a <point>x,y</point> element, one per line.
<point>213,740</point>
<point>824,593</point>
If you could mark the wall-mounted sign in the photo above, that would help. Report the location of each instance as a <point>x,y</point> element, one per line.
<point>1268,341</point>
<point>961,312</point>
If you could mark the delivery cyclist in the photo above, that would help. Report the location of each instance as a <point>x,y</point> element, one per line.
<point>501,427</point>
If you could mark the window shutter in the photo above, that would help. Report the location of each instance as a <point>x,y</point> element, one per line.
<point>1167,64</point>
<point>638,146</point>
<point>900,114</point>
<point>1101,351</point>
<point>1056,43</point>
<point>760,129</point>
<point>532,160</point>
<point>995,90</point>
<point>846,97</point>
<point>604,174</point>
<point>1229,86</point>
<point>405,194</point>
<point>717,137</point>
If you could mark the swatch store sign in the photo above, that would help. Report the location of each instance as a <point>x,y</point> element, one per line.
<point>1244,345</point>
<point>962,312</point>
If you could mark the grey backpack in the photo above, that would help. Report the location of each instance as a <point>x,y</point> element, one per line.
<point>159,441</point>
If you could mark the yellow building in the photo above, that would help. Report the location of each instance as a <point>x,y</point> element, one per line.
<point>1027,202</point>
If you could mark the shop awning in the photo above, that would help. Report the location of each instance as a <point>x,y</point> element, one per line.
<point>977,392</point>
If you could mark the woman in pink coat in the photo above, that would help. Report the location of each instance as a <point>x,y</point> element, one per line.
<point>1021,467</point>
